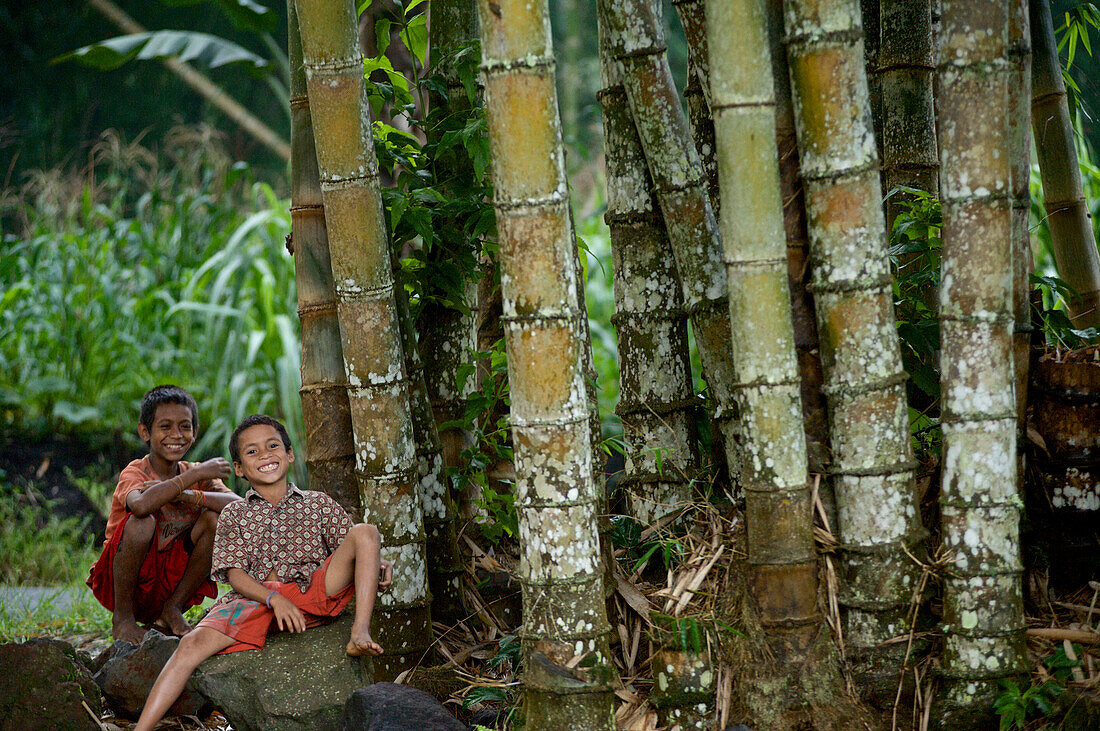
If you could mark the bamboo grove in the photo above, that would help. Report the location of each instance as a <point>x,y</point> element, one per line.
<point>755,222</point>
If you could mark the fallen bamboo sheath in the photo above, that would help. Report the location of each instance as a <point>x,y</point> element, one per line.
<point>1073,635</point>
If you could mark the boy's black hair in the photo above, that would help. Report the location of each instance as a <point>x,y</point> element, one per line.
<point>256,420</point>
<point>166,394</point>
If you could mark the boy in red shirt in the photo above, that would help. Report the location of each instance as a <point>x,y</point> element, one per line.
<point>293,558</point>
<point>160,533</point>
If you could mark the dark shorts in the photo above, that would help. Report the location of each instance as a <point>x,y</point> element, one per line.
<point>158,577</point>
<point>249,622</point>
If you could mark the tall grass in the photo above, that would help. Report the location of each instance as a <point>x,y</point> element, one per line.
<point>147,267</point>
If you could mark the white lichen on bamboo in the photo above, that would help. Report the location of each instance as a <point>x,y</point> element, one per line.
<point>565,631</point>
<point>369,324</point>
<point>863,378</point>
<point>983,603</point>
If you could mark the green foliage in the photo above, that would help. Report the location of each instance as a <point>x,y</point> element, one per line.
<point>131,275</point>
<point>38,548</point>
<point>635,553</point>
<point>1018,707</point>
<point>1077,25</point>
<point>188,46</point>
<point>1052,317</point>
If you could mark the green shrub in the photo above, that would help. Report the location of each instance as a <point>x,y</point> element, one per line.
<point>145,269</point>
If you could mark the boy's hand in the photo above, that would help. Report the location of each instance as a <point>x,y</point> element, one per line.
<point>211,469</point>
<point>385,577</point>
<point>288,616</point>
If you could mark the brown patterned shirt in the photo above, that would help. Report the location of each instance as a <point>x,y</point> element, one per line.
<point>292,538</point>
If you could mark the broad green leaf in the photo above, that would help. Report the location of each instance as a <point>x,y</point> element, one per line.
<point>203,48</point>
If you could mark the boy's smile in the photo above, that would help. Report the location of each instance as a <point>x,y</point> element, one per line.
<point>172,434</point>
<point>264,459</point>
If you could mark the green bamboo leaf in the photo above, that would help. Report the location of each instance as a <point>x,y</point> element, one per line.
<point>203,48</point>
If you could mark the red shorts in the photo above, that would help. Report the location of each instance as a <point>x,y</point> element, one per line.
<point>249,622</point>
<point>158,577</point>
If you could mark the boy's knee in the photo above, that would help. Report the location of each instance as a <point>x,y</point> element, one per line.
<point>139,529</point>
<point>208,521</point>
<point>367,532</point>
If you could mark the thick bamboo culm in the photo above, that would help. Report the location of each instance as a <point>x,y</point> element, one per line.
<point>656,390</point>
<point>329,450</point>
<point>565,633</point>
<point>681,186</point>
<point>864,382</point>
<point>983,618</point>
<point>1019,120</point>
<point>906,67</point>
<point>369,324</point>
<point>447,336</point>
<point>778,502</point>
<point>1072,240</point>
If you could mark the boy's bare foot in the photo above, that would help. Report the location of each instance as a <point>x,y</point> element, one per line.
<point>127,630</point>
<point>172,618</point>
<point>362,644</point>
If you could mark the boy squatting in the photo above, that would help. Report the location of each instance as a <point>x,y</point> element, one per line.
<point>292,557</point>
<point>160,532</point>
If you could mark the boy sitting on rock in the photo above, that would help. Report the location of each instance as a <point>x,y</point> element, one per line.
<point>292,557</point>
<point>160,533</point>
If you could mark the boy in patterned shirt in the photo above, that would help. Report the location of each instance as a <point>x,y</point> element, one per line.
<point>292,557</point>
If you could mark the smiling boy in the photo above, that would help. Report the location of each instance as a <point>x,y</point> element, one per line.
<point>292,557</point>
<point>160,533</point>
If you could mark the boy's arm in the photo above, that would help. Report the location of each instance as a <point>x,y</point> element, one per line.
<point>206,499</point>
<point>147,500</point>
<point>289,617</point>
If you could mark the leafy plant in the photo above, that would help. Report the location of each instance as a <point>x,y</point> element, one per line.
<point>1018,706</point>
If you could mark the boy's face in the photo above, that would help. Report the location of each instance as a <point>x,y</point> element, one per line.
<point>265,460</point>
<point>173,432</point>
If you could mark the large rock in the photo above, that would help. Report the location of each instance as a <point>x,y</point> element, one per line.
<point>46,685</point>
<point>392,707</point>
<point>127,673</point>
<point>298,682</point>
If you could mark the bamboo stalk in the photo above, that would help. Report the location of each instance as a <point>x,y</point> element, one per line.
<point>330,451</point>
<point>655,400</point>
<point>983,594</point>
<point>778,508</point>
<point>906,67</point>
<point>1072,240</point>
<point>565,634</point>
<point>680,182</point>
<point>378,388</point>
<point>877,519</point>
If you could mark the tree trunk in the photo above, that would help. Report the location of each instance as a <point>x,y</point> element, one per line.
<point>681,191</point>
<point>447,333</point>
<point>864,382</point>
<point>330,452</point>
<point>778,501</point>
<point>565,631</point>
<point>814,415</point>
<point>1071,235</point>
<point>1019,119</point>
<point>983,603</point>
<point>369,323</point>
<point>906,67</point>
<point>656,391</point>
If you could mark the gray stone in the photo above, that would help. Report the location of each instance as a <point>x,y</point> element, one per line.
<point>392,707</point>
<point>127,675</point>
<point>47,686</point>
<point>298,682</point>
